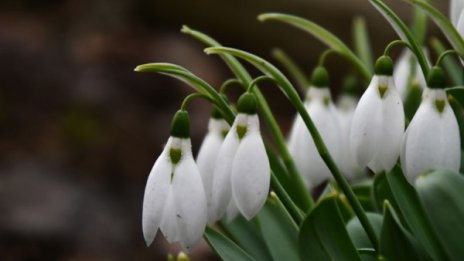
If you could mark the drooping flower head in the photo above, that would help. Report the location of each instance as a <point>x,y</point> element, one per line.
<point>242,173</point>
<point>378,121</point>
<point>207,155</point>
<point>320,107</point>
<point>432,138</point>
<point>174,199</point>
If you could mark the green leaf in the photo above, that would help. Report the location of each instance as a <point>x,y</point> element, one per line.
<point>444,23</point>
<point>297,74</point>
<point>381,191</point>
<point>414,214</point>
<point>395,242</point>
<point>323,235</point>
<point>403,32</point>
<point>357,233</point>
<point>441,192</point>
<point>323,35</point>
<point>247,236</point>
<point>194,81</point>
<point>361,42</point>
<point>457,93</point>
<point>459,113</point>
<point>279,231</point>
<point>224,247</point>
<point>363,192</point>
<point>368,254</point>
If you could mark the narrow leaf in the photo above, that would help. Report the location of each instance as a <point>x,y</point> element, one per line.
<point>414,214</point>
<point>403,32</point>
<point>323,235</point>
<point>441,192</point>
<point>323,35</point>
<point>357,233</point>
<point>224,247</point>
<point>279,231</point>
<point>444,23</point>
<point>361,42</point>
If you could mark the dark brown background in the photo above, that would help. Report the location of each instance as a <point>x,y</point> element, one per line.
<point>79,130</point>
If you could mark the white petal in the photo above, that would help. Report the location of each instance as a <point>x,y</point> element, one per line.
<point>346,106</point>
<point>206,161</point>
<point>292,140</point>
<point>325,119</point>
<point>402,73</point>
<point>190,200</point>
<point>221,191</point>
<point>169,225</point>
<point>456,8</point>
<point>232,211</point>
<point>250,174</point>
<point>366,124</point>
<point>392,130</point>
<point>156,194</point>
<point>432,139</point>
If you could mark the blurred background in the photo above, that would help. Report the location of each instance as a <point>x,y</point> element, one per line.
<point>80,130</point>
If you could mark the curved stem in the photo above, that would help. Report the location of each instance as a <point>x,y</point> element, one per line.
<point>325,55</point>
<point>293,97</point>
<point>444,54</point>
<point>191,97</point>
<point>230,82</point>
<point>394,43</point>
<point>257,80</point>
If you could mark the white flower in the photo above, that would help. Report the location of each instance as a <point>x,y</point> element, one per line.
<point>301,145</point>
<point>378,122</point>
<point>174,198</point>
<point>402,73</point>
<point>432,138</point>
<point>242,174</point>
<point>456,8</point>
<point>207,155</point>
<point>346,105</point>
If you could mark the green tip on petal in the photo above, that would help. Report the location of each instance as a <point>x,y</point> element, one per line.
<point>384,66</point>
<point>247,104</point>
<point>180,125</point>
<point>320,77</point>
<point>436,78</point>
<point>175,155</point>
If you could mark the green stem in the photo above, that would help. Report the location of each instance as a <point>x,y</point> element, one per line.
<point>257,80</point>
<point>230,82</point>
<point>191,97</point>
<point>325,55</point>
<point>297,74</point>
<point>301,194</point>
<point>444,54</point>
<point>293,97</point>
<point>394,43</point>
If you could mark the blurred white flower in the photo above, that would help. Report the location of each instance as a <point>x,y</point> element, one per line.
<point>346,104</point>
<point>174,198</point>
<point>207,155</point>
<point>378,121</point>
<point>402,73</point>
<point>456,8</point>
<point>242,172</point>
<point>432,138</point>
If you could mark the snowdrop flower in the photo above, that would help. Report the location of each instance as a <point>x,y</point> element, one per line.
<point>432,138</point>
<point>455,11</point>
<point>242,173</point>
<point>174,198</point>
<point>378,121</point>
<point>324,115</point>
<point>346,104</point>
<point>402,73</point>
<point>206,159</point>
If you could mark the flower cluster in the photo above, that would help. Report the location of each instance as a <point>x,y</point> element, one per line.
<point>232,176</point>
